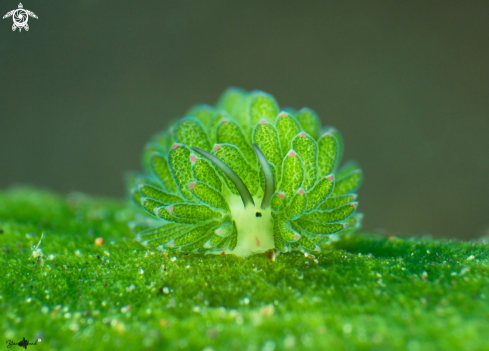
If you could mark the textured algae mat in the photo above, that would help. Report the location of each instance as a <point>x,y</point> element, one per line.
<point>362,292</point>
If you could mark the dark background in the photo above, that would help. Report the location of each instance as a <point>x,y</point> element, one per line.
<point>405,82</point>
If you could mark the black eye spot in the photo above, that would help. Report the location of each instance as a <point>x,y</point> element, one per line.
<point>258,214</point>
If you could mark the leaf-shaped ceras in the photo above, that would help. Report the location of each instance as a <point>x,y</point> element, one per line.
<point>244,177</point>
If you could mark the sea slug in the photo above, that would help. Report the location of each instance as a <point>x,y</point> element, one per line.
<point>244,177</point>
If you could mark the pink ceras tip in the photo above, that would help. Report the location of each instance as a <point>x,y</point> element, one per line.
<point>191,185</point>
<point>302,134</point>
<point>193,158</point>
<point>281,195</point>
<point>174,146</point>
<point>328,133</point>
<point>263,121</point>
<point>355,204</point>
<point>170,209</point>
<point>291,153</point>
<point>301,191</point>
<point>217,147</point>
<point>330,177</point>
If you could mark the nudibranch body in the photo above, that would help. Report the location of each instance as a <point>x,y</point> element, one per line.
<point>245,177</point>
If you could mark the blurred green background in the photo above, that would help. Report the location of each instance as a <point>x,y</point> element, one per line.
<point>405,82</point>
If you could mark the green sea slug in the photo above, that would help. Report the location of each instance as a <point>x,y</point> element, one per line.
<point>244,177</point>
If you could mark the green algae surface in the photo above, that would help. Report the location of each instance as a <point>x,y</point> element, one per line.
<point>362,292</point>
